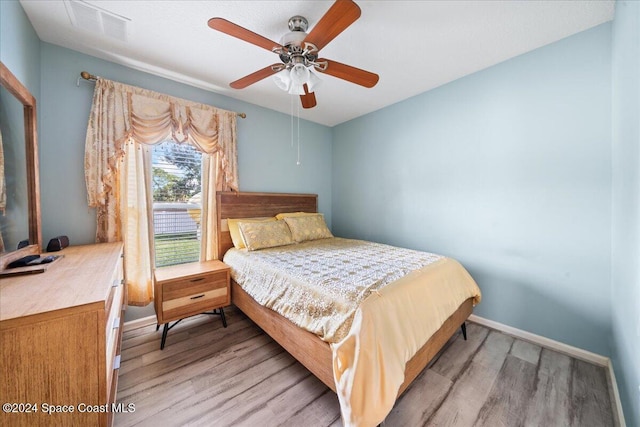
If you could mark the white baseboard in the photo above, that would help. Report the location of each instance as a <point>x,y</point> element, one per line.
<point>139,323</point>
<point>560,347</point>
<point>576,352</point>
<point>616,394</point>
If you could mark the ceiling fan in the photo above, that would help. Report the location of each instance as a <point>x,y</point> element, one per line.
<point>298,52</point>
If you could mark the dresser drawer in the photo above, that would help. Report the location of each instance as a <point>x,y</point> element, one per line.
<point>113,326</point>
<point>115,299</point>
<point>113,322</point>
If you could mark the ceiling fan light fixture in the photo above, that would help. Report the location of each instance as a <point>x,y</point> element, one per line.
<point>313,81</point>
<point>282,80</point>
<point>292,80</point>
<point>296,89</point>
<point>299,74</point>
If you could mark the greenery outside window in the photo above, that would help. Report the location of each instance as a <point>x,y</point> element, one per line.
<point>177,186</point>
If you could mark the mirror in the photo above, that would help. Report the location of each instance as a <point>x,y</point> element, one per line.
<point>20,218</point>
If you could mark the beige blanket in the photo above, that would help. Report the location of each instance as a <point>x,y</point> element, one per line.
<point>375,304</point>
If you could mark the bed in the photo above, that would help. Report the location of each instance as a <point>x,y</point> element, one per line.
<point>310,350</point>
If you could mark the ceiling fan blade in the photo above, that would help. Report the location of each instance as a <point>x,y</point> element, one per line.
<point>349,73</point>
<point>237,31</point>
<point>308,99</point>
<point>339,16</point>
<point>256,77</point>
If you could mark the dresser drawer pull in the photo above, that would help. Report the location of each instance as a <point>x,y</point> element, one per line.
<point>199,279</point>
<point>116,323</point>
<point>116,362</point>
<point>197,296</point>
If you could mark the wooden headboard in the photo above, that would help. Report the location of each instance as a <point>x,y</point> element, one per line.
<point>232,204</point>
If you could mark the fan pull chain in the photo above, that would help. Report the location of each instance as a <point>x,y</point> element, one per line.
<point>298,115</point>
<point>291,105</point>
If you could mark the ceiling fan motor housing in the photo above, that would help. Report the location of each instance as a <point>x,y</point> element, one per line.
<point>298,23</point>
<point>295,50</point>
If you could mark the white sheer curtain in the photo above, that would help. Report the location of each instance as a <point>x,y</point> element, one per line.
<point>124,122</point>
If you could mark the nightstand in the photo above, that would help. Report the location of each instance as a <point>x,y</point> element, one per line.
<point>188,289</point>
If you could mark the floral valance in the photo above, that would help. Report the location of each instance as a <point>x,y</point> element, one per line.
<point>121,113</point>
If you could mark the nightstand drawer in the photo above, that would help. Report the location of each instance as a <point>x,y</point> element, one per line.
<point>196,303</point>
<point>190,286</point>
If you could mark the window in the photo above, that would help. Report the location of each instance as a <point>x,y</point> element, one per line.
<point>176,185</point>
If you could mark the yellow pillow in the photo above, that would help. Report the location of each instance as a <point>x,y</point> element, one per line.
<point>294,214</point>
<point>266,234</point>
<point>308,227</point>
<point>236,237</point>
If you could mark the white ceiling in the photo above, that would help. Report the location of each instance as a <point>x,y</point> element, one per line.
<point>414,46</point>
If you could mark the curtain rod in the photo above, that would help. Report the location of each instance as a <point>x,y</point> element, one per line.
<point>88,76</point>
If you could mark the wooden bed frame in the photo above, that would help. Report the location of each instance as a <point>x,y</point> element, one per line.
<point>306,347</point>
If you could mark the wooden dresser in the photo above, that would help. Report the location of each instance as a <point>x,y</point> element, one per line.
<point>60,334</point>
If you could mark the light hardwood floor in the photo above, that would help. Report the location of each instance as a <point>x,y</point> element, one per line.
<point>237,376</point>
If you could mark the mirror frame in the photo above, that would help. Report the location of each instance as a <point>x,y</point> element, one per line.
<point>22,94</point>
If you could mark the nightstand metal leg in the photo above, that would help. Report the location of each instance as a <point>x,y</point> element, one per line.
<point>164,335</point>
<point>218,312</point>
<point>224,319</point>
<point>157,326</point>
<point>464,330</point>
<point>164,332</point>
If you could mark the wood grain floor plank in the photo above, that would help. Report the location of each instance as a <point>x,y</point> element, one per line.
<point>240,409</point>
<point>240,359</point>
<point>468,394</point>
<point>590,403</point>
<point>225,398</point>
<point>551,404</point>
<point>420,400</point>
<point>458,353</point>
<point>238,376</point>
<point>211,340</point>
<point>285,405</point>
<point>166,368</point>
<point>323,411</point>
<point>201,375</point>
<point>171,388</point>
<point>510,394</point>
<point>209,337</point>
<point>526,351</point>
<point>154,402</point>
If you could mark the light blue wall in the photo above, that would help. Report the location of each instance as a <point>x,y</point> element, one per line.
<point>626,207</point>
<point>266,161</point>
<point>20,45</point>
<point>20,52</point>
<point>509,171</point>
